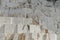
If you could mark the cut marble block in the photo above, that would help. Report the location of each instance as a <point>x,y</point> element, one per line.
<point>9,31</point>
<point>2,36</point>
<point>9,28</point>
<point>18,20</point>
<point>58,36</point>
<point>28,21</point>
<point>36,31</point>
<point>2,28</point>
<point>22,28</point>
<point>5,20</point>
<point>22,20</point>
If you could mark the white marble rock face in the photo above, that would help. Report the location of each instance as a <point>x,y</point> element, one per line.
<point>35,33</point>
<point>42,17</point>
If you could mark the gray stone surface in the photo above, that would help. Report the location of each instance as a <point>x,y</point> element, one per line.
<point>49,15</point>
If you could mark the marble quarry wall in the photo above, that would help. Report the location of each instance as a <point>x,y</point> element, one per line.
<point>24,29</point>
<point>13,32</point>
<point>29,20</point>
